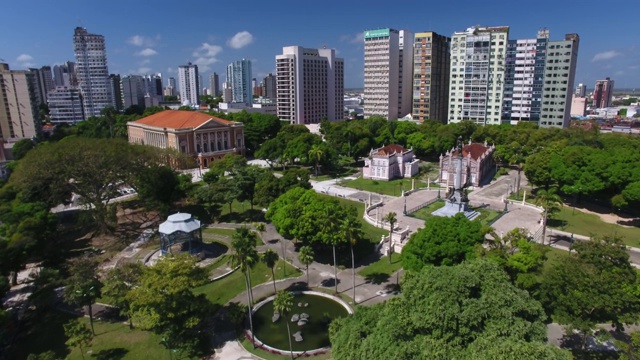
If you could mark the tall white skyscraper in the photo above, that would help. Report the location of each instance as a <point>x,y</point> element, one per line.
<point>309,85</point>
<point>559,77</point>
<point>189,84</point>
<point>92,72</point>
<point>387,73</point>
<point>239,77</point>
<point>477,74</point>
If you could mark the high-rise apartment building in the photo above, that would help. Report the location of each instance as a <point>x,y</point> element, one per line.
<point>214,85</point>
<point>431,62</point>
<point>65,105</point>
<point>133,90</point>
<point>602,93</point>
<point>42,83</point>
<point>477,74</point>
<point>227,92</point>
<point>64,75</point>
<point>559,76</point>
<point>92,72</point>
<point>18,105</point>
<point>239,78</point>
<point>387,73</point>
<point>581,90</point>
<point>189,84</point>
<point>310,85</point>
<point>269,87</point>
<point>116,90</point>
<point>524,77</point>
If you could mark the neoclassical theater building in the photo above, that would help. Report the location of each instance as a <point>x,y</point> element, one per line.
<point>202,136</point>
<point>477,164</point>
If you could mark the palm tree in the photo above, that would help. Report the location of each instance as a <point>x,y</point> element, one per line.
<point>331,236</point>
<point>350,228</point>
<point>306,258</point>
<point>260,227</point>
<point>550,202</point>
<point>316,153</point>
<point>283,304</point>
<point>270,258</point>
<point>391,219</point>
<point>245,256</point>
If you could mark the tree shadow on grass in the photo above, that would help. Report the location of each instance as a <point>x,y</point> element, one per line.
<point>556,223</point>
<point>377,278</point>
<point>110,354</point>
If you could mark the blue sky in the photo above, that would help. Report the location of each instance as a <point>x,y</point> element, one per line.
<point>158,36</point>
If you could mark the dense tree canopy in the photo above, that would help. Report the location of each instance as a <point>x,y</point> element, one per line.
<point>469,311</point>
<point>595,285</point>
<point>443,241</point>
<point>165,303</point>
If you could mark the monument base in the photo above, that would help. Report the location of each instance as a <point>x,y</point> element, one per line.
<point>452,208</point>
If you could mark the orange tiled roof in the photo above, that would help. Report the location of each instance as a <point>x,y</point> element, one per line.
<point>179,119</point>
<point>475,149</point>
<point>390,149</point>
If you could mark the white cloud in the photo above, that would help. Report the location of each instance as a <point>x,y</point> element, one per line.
<point>240,40</point>
<point>171,70</point>
<point>206,55</point>
<point>143,70</point>
<point>25,60</point>
<point>141,40</point>
<point>606,55</point>
<point>353,39</point>
<point>145,62</point>
<point>147,52</point>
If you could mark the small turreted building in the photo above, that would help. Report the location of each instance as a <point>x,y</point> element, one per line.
<point>478,164</point>
<point>390,162</point>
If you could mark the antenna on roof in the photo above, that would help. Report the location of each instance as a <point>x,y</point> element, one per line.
<point>324,45</point>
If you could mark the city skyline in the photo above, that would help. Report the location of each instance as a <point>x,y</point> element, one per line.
<point>140,47</point>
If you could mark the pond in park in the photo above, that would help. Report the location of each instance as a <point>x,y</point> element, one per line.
<point>318,311</point>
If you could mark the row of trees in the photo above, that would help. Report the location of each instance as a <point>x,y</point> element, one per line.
<point>316,220</point>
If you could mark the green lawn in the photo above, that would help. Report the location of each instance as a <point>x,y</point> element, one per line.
<point>589,224</point>
<point>486,215</point>
<point>391,187</point>
<point>553,256</point>
<point>382,268</point>
<point>372,233</point>
<point>425,212</point>
<point>221,291</point>
<point>113,340</point>
<point>228,233</point>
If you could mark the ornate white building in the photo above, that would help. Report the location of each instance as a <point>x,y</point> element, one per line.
<point>477,164</point>
<point>390,162</point>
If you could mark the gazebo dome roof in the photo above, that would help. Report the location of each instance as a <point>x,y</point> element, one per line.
<point>179,222</point>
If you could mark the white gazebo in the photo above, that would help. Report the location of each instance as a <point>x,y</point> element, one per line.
<point>180,233</point>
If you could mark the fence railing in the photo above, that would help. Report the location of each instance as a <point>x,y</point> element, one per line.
<point>423,205</point>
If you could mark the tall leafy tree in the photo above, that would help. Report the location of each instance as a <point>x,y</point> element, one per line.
<point>443,241</point>
<point>270,258</point>
<point>117,283</point>
<point>164,302</point>
<point>550,201</point>
<point>283,303</point>
<point>157,186</point>
<point>306,258</point>
<point>592,286</point>
<point>447,312</point>
<point>78,335</point>
<point>83,286</point>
